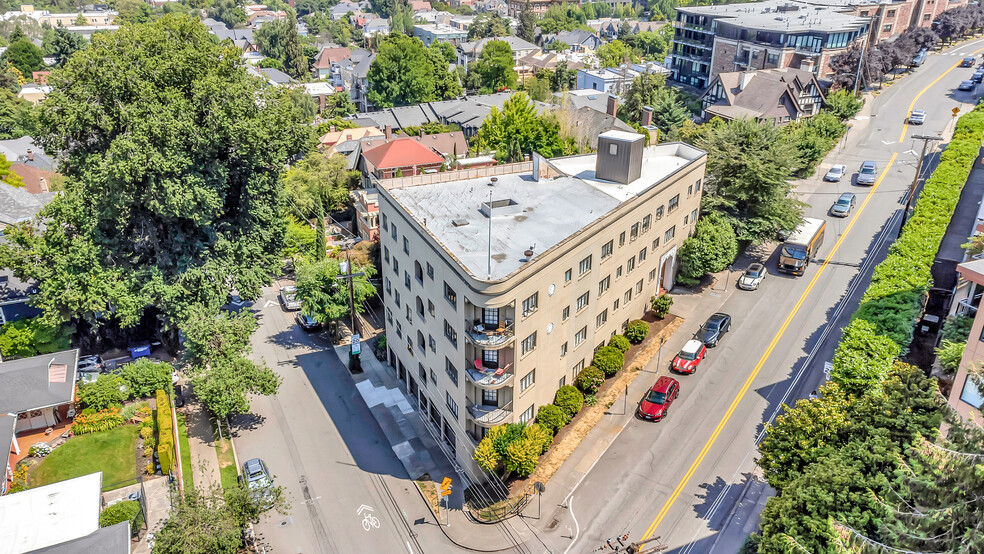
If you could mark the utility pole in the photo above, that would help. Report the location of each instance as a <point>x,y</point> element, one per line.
<point>355,348</point>
<point>864,47</point>
<point>915,179</point>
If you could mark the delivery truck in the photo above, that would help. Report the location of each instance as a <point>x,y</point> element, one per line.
<point>803,244</point>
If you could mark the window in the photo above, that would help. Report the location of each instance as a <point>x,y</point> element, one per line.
<point>673,205</point>
<point>386,254</point>
<point>433,377</point>
<point>659,212</point>
<point>389,315</point>
<point>409,343</point>
<point>406,280</point>
<point>397,295</point>
<point>639,287</point>
<point>582,302</point>
<point>625,325</point>
<point>452,405</point>
<point>385,223</point>
<point>418,272</point>
<point>423,374</point>
<point>389,287</point>
<point>530,304</point>
<point>771,59</point>
<point>693,216</point>
<point>490,358</point>
<point>604,284</point>
<point>432,343</point>
<point>393,229</point>
<point>634,231</point>
<point>430,271</point>
<point>927,17</point>
<point>607,248</point>
<point>584,266</point>
<point>527,380</point>
<point>567,276</point>
<point>450,333</point>
<point>891,13</point>
<point>420,308</point>
<point>655,243</point>
<point>613,149</point>
<point>399,330</point>
<point>490,317</point>
<point>642,255</point>
<point>409,314</point>
<point>490,398</point>
<point>646,223</point>
<point>621,238</point>
<point>686,218</point>
<point>615,305</point>
<point>450,295</point>
<point>577,368</point>
<point>406,246</point>
<point>628,296</point>
<point>430,307</point>
<point>529,344</point>
<point>630,265</point>
<point>563,350</point>
<point>565,313</point>
<point>396,266</point>
<point>652,275</point>
<point>562,382</point>
<point>697,186</point>
<point>526,416</point>
<point>451,371</point>
<point>581,336</point>
<point>690,190</point>
<point>670,233</point>
<point>601,319</point>
<point>887,28</point>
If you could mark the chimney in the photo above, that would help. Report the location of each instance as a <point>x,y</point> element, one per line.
<point>332,128</point>
<point>647,116</point>
<point>30,155</point>
<point>389,132</point>
<point>746,77</point>
<point>612,105</point>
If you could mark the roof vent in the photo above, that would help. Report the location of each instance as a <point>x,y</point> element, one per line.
<point>459,222</point>
<point>498,208</point>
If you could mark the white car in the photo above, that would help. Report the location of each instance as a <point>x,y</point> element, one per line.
<point>752,277</point>
<point>836,173</point>
<point>288,298</point>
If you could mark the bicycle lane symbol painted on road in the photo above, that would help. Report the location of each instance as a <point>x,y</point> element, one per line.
<point>369,521</point>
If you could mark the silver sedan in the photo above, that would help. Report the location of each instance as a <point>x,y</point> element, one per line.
<point>752,277</point>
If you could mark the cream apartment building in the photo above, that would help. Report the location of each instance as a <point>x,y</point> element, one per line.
<point>500,283</point>
<point>965,396</point>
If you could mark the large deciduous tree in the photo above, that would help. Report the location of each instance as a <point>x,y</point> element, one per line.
<point>173,157</point>
<point>495,65</point>
<point>320,180</point>
<point>324,294</point>
<point>748,167</point>
<point>23,55</point>
<point>405,72</point>
<point>488,24</point>
<point>614,54</point>
<point>517,131</point>
<point>711,248</point>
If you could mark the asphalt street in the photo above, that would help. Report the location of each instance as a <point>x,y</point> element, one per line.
<point>348,491</point>
<point>679,479</point>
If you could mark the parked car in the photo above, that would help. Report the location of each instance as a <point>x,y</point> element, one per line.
<point>978,76</point>
<point>868,173</point>
<point>288,298</point>
<point>836,172</point>
<point>689,357</point>
<point>752,277</point>
<point>843,206</point>
<point>917,117</point>
<point>656,404</point>
<point>920,58</point>
<point>967,62</point>
<point>966,85</point>
<point>257,478</point>
<point>89,364</point>
<point>307,322</point>
<point>713,330</point>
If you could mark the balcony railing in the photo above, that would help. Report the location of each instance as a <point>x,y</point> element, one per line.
<point>490,416</point>
<point>490,378</point>
<point>491,337</point>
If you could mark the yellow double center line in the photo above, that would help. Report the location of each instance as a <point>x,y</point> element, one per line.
<point>775,340</point>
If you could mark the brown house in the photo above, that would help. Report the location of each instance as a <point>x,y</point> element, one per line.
<point>778,95</point>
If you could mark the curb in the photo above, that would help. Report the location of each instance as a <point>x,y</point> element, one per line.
<point>732,512</point>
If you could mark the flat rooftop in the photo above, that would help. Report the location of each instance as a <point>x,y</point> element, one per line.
<point>526,212</point>
<point>785,16</point>
<point>50,515</point>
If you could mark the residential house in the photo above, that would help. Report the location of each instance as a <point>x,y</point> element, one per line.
<point>615,79</point>
<point>14,297</point>
<point>272,77</point>
<point>470,51</point>
<point>577,40</point>
<point>95,18</point>
<point>430,34</point>
<point>328,62</point>
<point>340,10</point>
<point>434,17</point>
<point>35,168</point>
<point>586,118</point>
<point>647,26</point>
<point>376,26</point>
<point>353,76</point>
<point>331,139</point>
<point>776,95</point>
<point>466,113</point>
<point>366,202</point>
<point>60,518</point>
<point>418,5</point>
<point>400,158</point>
<point>17,204</point>
<point>240,38</point>
<point>34,94</point>
<point>463,22</point>
<point>38,392</point>
<point>450,146</point>
<point>40,77</point>
<point>483,332</point>
<point>470,3</point>
<point>607,28</point>
<point>320,91</point>
<point>515,7</point>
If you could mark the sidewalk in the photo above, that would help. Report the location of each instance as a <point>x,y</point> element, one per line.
<point>204,460</point>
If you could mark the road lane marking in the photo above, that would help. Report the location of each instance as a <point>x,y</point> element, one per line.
<point>782,329</point>
<point>577,527</point>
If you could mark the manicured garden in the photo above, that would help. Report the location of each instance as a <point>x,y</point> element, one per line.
<point>112,452</point>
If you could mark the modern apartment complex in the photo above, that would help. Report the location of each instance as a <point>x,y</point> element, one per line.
<point>500,282</point>
<point>709,40</point>
<point>965,396</point>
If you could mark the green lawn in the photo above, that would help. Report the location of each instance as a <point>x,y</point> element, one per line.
<point>112,452</point>
<point>228,474</point>
<point>186,470</point>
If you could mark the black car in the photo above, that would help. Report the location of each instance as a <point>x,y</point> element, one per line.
<point>713,330</point>
<point>978,77</point>
<point>966,85</point>
<point>307,322</point>
<point>967,62</point>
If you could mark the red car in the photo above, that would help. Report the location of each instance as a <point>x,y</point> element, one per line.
<point>689,357</point>
<point>656,404</point>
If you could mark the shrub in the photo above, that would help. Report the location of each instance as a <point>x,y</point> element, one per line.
<point>106,391</point>
<point>609,360</point>
<point>145,376</point>
<point>661,305</point>
<point>589,380</point>
<point>637,331</point>
<point>485,455</point>
<point>165,433</point>
<point>863,357</point>
<point>843,104</point>
<point>104,420</point>
<point>949,354</point>
<point>956,328</point>
<point>146,432</point>
<point>39,450</point>
<point>620,342</point>
<point>30,337</point>
<point>712,247</point>
<point>569,399</point>
<point>148,450</point>
<point>538,434</point>
<point>552,418</point>
<point>522,456</point>
<point>590,400</point>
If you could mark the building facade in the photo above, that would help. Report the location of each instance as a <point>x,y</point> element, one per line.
<point>432,33</point>
<point>893,18</point>
<point>965,396</point>
<point>500,282</point>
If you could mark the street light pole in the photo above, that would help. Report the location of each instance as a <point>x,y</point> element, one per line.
<point>915,179</point>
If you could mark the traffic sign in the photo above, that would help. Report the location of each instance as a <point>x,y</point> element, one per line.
<point>446,487</point>
<point>356,344</point>
<point>956,111</point>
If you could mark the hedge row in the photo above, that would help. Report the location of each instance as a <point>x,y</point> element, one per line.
<point>893,301</point>
<point>165,433</point>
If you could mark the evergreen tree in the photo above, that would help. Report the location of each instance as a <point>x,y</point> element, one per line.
<point>295,61</point>
<point>320,244</point>
<point>526,29</point>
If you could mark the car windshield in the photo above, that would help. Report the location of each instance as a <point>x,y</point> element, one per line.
<point>684,355</point>
<point>754,273</point>
<point>656,397</point>
<point>712,325</point>
<point>836,170</point>
<point>794,252</point>
<point>844,202</point>
<point>867,170</point>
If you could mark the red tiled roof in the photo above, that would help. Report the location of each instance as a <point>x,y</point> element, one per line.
<point>401,153</point>
<point>329,55</point>
<point>417,5</point>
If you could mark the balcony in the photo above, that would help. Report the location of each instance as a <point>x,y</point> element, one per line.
<point>490,416</point>
<point>489,338</point>
<point>490,378</point>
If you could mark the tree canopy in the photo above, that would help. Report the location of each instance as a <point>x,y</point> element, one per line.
<point>517,131</point>
<point>324,295</point>
<point>23,55</point>
<point>615,53</point>
<point>526,28</point>
<point>405,72</point>
<point>320,180</point>
<point>649,89</point>
<point>495,66</point>
<point>489,24</point>
<point>279,40</point>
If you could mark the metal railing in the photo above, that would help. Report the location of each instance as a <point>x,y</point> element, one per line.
<point>491,337</point>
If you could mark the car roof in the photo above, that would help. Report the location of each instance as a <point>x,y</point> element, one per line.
<point>968,58</point>
<point>756,265</point>
<point>868,163</point>
<point>254,463</point>
<point>846,196</point>
<point>289,288</point>
<point>692,346</point>
<point>718,316</point>
<point>838,166</point>
<point>922,112</point>
<point>663,384</point>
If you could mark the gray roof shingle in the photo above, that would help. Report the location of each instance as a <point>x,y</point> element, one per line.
<point>25,384</point>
